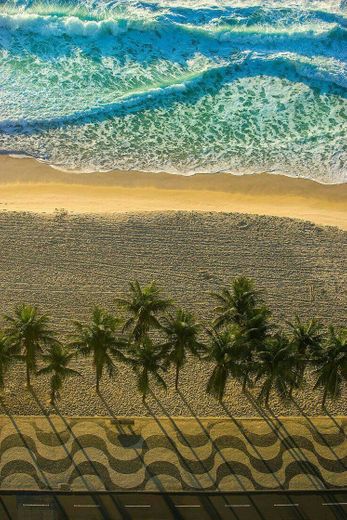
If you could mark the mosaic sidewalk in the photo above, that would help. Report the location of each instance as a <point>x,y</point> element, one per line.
<point>189,454</point>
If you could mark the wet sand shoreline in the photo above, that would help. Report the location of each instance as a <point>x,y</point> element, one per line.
<point>27,185</point>
<point>70,241</point>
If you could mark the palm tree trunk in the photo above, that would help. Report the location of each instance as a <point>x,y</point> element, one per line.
<point>325,395</point>
<point>28,377</point>
<point>97,384</point>
<point>177,377</point>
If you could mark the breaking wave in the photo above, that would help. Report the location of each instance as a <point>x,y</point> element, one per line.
<point>183,86</point>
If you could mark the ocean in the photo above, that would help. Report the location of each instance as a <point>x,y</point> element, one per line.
<point>181,86</point>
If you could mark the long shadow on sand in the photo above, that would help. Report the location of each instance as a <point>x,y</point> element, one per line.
<point>279,429</point>
<point>274,429</point>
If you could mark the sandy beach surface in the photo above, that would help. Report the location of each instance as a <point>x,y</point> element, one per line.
<point>69,241</point>
<point>27,185</point>
<point>68,262</point>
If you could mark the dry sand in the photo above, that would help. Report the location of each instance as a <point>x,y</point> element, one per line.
<point>66,263</point>
<point>27,185</point>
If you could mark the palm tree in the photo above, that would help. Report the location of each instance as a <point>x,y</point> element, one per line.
<point>276,367</point>
<point>307,340</point>
<point>100,338</point>
<point>226,351</point>
<point>29,333</point>
<point>332,365</point>
<point>7,357</point>
<point>307,337</point>
<point>242,306</point>
<point>147,360</point>
<point>58,359</point>
<point>256,327</point>
<point>181,331</point>
<point>234,306</point>
<point>143,305</point>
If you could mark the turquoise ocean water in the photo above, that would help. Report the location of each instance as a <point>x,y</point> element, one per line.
<point>181,86</point>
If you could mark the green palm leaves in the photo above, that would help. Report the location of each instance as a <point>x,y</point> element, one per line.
<point>241,344</point>
<point>100,339</point>
<point>148,362</point>
<point>57,360</point>
<point>142,307</point>
<point>7,357</point>
<point>241,326</point>
<point>235,304</point>
<point>181,331</point>
<point>29,332</point>
<point>225,350</point>
<point>242,306</point>
<point>332,364</point>
<point>307,337</point>
<point>276,368</point>
<point>243,347</point>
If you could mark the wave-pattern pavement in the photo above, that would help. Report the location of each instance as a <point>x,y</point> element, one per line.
<point>172,454</point>
<point>184,86</point>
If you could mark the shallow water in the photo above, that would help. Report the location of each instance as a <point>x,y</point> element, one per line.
<point>180,86</point>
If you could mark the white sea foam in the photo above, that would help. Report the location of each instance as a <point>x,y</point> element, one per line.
<point>181,86</point>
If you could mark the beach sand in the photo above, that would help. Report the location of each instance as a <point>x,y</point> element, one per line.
<point>69,241</point>
<point>27,185</point>
<point>67,263</point>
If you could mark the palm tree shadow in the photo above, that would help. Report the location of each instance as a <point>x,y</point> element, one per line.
<point>275,431</point>
<point>77,441</point>
<point>321,436</point>
<point>94,497</point>
<point>116,422</point>
<point>182,460</point>
<point>5,509</point>
<point>148,470</point>
<point>338,426</point>
<point>216,448</point>
<point>208,506</point>
<point>289,443</point>
<point>181,434</point>
<point>248,439</point>
<point>327,495</point>
<point>205,431</point>
<point>44,478</point>
<point>62,443</point>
